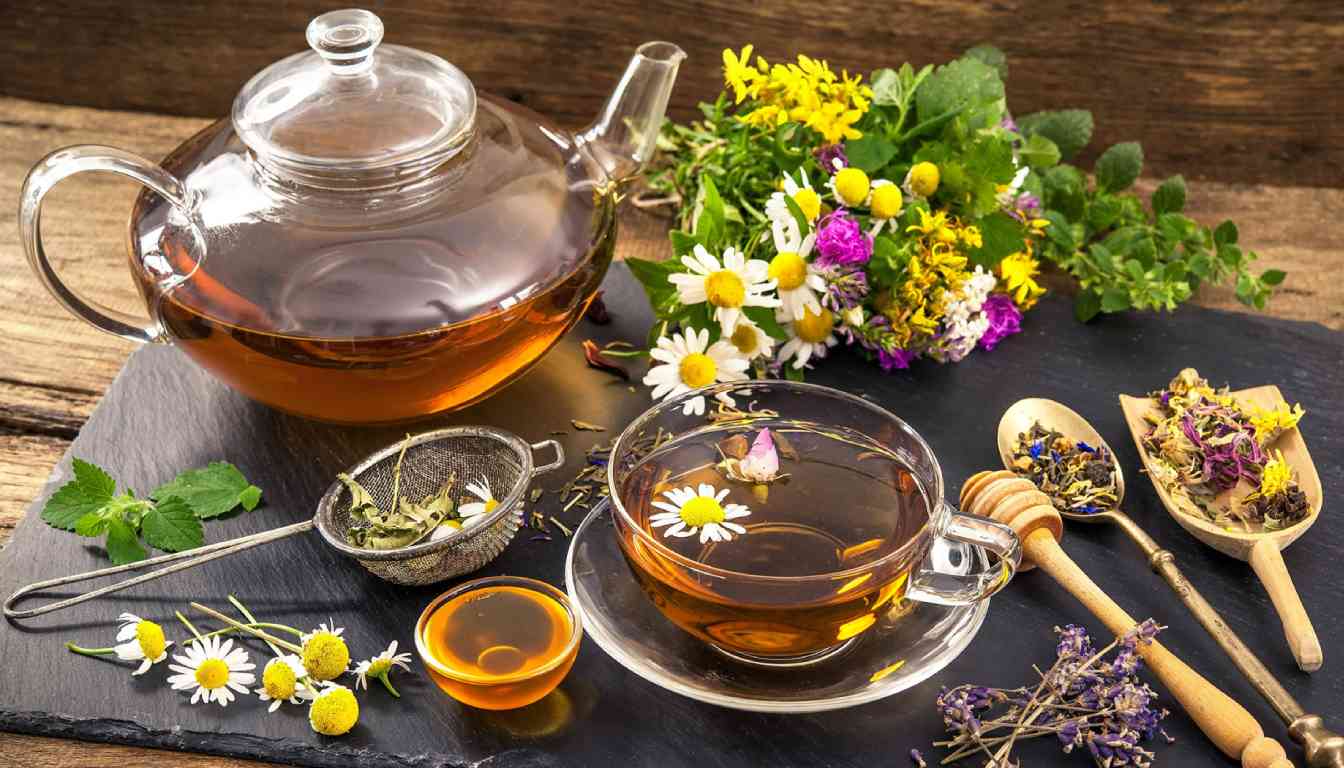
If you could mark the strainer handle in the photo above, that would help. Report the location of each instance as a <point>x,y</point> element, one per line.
<point>189,559</point>
<point>559,456</point>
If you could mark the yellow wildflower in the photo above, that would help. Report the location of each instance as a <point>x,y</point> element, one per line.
<point>1270,422</point>
<point>739,74</point>
<point>835,122</point>
<point>1275,478</point>
<point>971,236</point>
<point>934,226</point>
<point>807,92</point>
<point>1019,271</point>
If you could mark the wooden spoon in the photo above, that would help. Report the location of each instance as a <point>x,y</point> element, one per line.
<point>1260,548</point>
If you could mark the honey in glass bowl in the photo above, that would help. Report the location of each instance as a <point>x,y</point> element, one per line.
<point>498,643</point>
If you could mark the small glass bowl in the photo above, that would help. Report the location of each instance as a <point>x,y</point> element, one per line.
<point>506,691</point>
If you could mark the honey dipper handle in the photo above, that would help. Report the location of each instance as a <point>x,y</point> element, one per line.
<point>1268,564</point>
<point>1227,724</point>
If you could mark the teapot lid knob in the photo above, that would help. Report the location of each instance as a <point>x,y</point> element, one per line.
<point>346,39</point>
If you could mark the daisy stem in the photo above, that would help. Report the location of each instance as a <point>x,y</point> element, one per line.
<point>387,683</point>
<point>188,624</point>
<point>251,620</point>
<point>90,651</point>
<point>255,624</point>
<point>269,638</point>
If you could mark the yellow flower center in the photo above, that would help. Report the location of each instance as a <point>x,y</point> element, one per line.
<point>744,338</point>
<point>150,637</point>
<point>809,202</point>
<point>725,289</point>
<point>924,179</point>
<point>701,510</point>
<point>325,656</point>
<point>789,270</point>
<point>490,505</point>
<point>697,370</point>
<point>379,667</point>
<point>213,673</point>
<point>334,713</point>
<point>886,203</point>
<point>279,680</point>
<point>1276,477</point>
<point>814,328</point>
<point>851,184</point>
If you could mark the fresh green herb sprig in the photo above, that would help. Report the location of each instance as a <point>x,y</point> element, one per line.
<point>168,519</point>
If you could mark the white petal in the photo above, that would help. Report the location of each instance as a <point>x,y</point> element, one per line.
<point>129,651</point>
<point>143,668</point>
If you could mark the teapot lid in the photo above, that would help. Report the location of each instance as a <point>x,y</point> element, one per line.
<point>350,109</point>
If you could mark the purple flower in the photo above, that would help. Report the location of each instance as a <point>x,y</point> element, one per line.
<point>1008,123</point>
<point>1004,319</point>
<point>896,358</point>
<point>827,155</point>
<point>917,759</point>
<point>845,288</point>
<point>841,242</point>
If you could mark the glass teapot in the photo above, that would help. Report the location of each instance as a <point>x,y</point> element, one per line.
<point>367,239</point>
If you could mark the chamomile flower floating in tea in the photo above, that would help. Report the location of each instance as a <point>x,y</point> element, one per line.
<point>141,640</point>
<point>698,510</point>
<point>380,668</point>
<point>809,337</point>
<point>283,680</point>
<point>213,670</point>
<point>334,710</point>
<point>477,510</point>
<point>688,361</point>
<point>325,655</point>
<point>798,281</point>
<point>728,287</point>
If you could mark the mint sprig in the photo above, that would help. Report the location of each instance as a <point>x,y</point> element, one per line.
<point>169,520</point>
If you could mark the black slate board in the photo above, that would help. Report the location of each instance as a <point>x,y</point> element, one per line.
<point>163,414</point>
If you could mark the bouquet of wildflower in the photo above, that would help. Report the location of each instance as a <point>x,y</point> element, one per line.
<point>905,216</point>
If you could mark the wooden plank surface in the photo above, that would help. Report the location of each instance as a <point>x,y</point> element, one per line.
<point>55,368</point>
<point>1230,90</point>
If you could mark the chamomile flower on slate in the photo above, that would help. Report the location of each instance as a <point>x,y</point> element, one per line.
<point>809,337</point>
<point>282,680</point>
<point>798,280</point>
<point>325,655</point>
<point>689,511</point>
<point>380,668</point>
<point>729,286</point>
<point>334,710</point>
<point>141,640</point>
<point>688,361</point>
<point>477,510</point>
<point>213,670</point>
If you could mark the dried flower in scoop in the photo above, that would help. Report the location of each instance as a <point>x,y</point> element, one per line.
<point>1077,477</point>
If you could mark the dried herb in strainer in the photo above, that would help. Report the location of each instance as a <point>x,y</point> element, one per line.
<point>1077,477</point>
<point>372,527</point>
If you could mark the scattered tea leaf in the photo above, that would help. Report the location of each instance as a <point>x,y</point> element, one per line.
<point>785,448</point>
<point>596,359</point>
<point>736,447</point>
<point>563,528</point>
<point>585,426</point>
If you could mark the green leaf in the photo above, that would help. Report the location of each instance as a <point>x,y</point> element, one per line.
<point>1001,235</point>
<point>92,524</point>
<point>122,545</point>
<point>966,86</point>
<point>1069,129</point>
<point>88,492</point>
<point>1086,305</point>
<point>709,225</point>
<point>210,491</point>
<point>1225,234</point>
<point>172,526</point>
<point>886,85</point>
<point>1169,197</point>
<point>1103,212</point>
<point>793,374</point>
<point>1060,232</point>
<point>870,152</point>
<point>653,276</point>
<point>764,317</point>
<point>1064,190</point>
<point>1039,152</point>
<point>1114,299</point>
<point>1272,276</point>
<point>683,244</point>
<point>799,217</point>
<point>991,56</point>
<point>1119,166</point>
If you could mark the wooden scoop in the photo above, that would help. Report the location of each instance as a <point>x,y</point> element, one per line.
<point>1260,548</point>
<point>1015,501</point>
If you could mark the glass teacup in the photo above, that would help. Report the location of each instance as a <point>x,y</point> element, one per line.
<point>789,569</point>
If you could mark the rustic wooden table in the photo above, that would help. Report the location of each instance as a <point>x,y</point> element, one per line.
<point>55,368</point>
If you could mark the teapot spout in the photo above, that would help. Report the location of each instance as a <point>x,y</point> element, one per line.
<point>624,136</point>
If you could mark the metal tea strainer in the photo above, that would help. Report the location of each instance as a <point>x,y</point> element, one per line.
<point>467,454</point>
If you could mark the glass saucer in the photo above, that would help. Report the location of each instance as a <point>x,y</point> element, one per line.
<point>907,645</point>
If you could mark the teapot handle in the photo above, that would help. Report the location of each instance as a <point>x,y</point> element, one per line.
<point>55,168</point>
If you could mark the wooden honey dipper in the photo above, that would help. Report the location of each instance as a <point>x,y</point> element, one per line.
<point>1016,502</point>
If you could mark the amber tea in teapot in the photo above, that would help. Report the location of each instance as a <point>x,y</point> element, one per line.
<point>366,239</point>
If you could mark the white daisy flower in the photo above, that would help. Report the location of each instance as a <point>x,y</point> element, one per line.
<point>809,337</point>
<point>283,680</point>
<point>380,667</point>
<point>802,193</point>
<point>477,510</point>
<point>689,361</point>
<point>850,187</point>
<point>140,640</point>
<point>702,511</point>
<point>885,204</point>
<point>797,280</point>
<point>728,287</point>
<point>213,670</point>
<point>751,341</point>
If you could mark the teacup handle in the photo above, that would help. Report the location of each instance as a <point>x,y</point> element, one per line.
<point>929,585</point>
<point>57,167</point>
